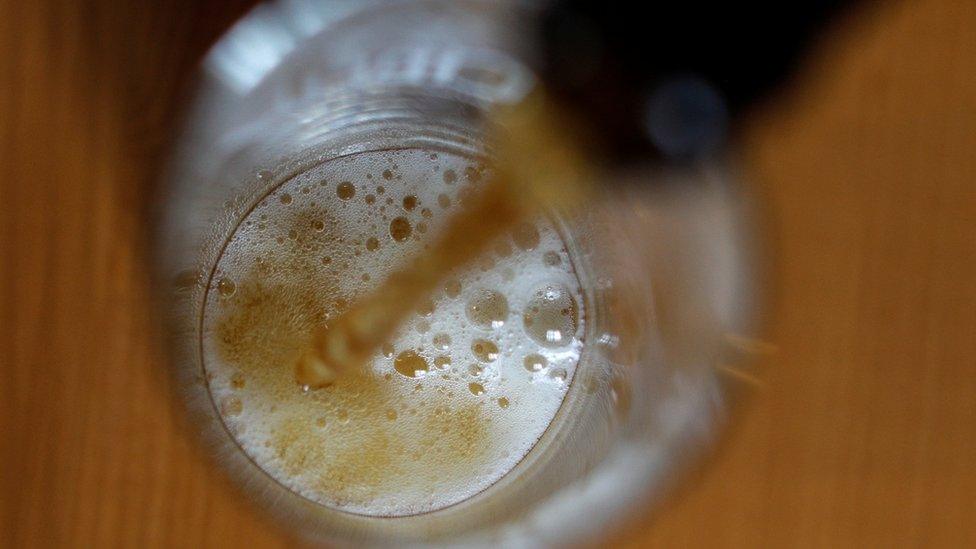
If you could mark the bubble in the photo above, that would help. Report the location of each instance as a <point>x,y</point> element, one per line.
<point>326,260</point>
<point>526,236</point>
<point>450,177</point>
<point>503,249</point>
<point>423,327</point>
<point>226,287</point>
<point>370,199</point>
<point>484,350</point>
<point>487,308</point>
<point>372,243</point>
<point>391,414</point>
<point>551,315</point>
<point>535,363</point>
<point>320,422</point>
<point>452,288</point>
<point>551,259</point>
<point>285,199</point>
<point>231,406</point>
<point>293,234</point>
<point>425,307</point>
<point>442,362</point>
<point>345,190</point>
<point>237,380</point>
<point>472,174</point>
<point>442,342</point>
<point>421,227</point>
<point>318,225</point>
<point>427,213</point>
<point>475,369</point>
<point>342,416</point>
<point>502,402</point>
<point>409,202</point>
<point>443,201</point>
<point>410,364</point>
<point>558,374</point>
<point>387,350</point>
<point>185,280</point>
<point>380,190</point>
<point>464,195</point>
<point>476,389</point>
<point>400,229</point>
<point>387,174</point>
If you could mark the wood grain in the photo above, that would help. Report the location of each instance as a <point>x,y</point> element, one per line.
<point>862,434</point>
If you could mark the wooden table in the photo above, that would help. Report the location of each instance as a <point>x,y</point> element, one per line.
<point>862,434</point>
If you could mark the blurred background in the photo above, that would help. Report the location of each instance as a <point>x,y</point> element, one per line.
<point>860,429</point>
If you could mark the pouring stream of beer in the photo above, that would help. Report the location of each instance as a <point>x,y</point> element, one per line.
<point>538,164</point>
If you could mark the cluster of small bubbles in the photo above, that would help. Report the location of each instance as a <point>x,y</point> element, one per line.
<point>445,362</point>
<point>410,364</point>
<point>526,236</point>
<point>535,362</point>
<point>551,316</point>
<point>226,286</point>
<point>442,341</point>
<point>484,350</point>
<point>487,308</point>
<point>345,190</point>
<point>400,229</point>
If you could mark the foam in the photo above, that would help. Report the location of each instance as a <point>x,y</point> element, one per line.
<point>382,443</point>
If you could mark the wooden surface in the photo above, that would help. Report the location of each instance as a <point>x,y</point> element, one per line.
<point>862,435</point>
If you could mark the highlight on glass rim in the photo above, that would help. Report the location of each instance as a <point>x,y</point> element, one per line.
<point>481,273</point>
